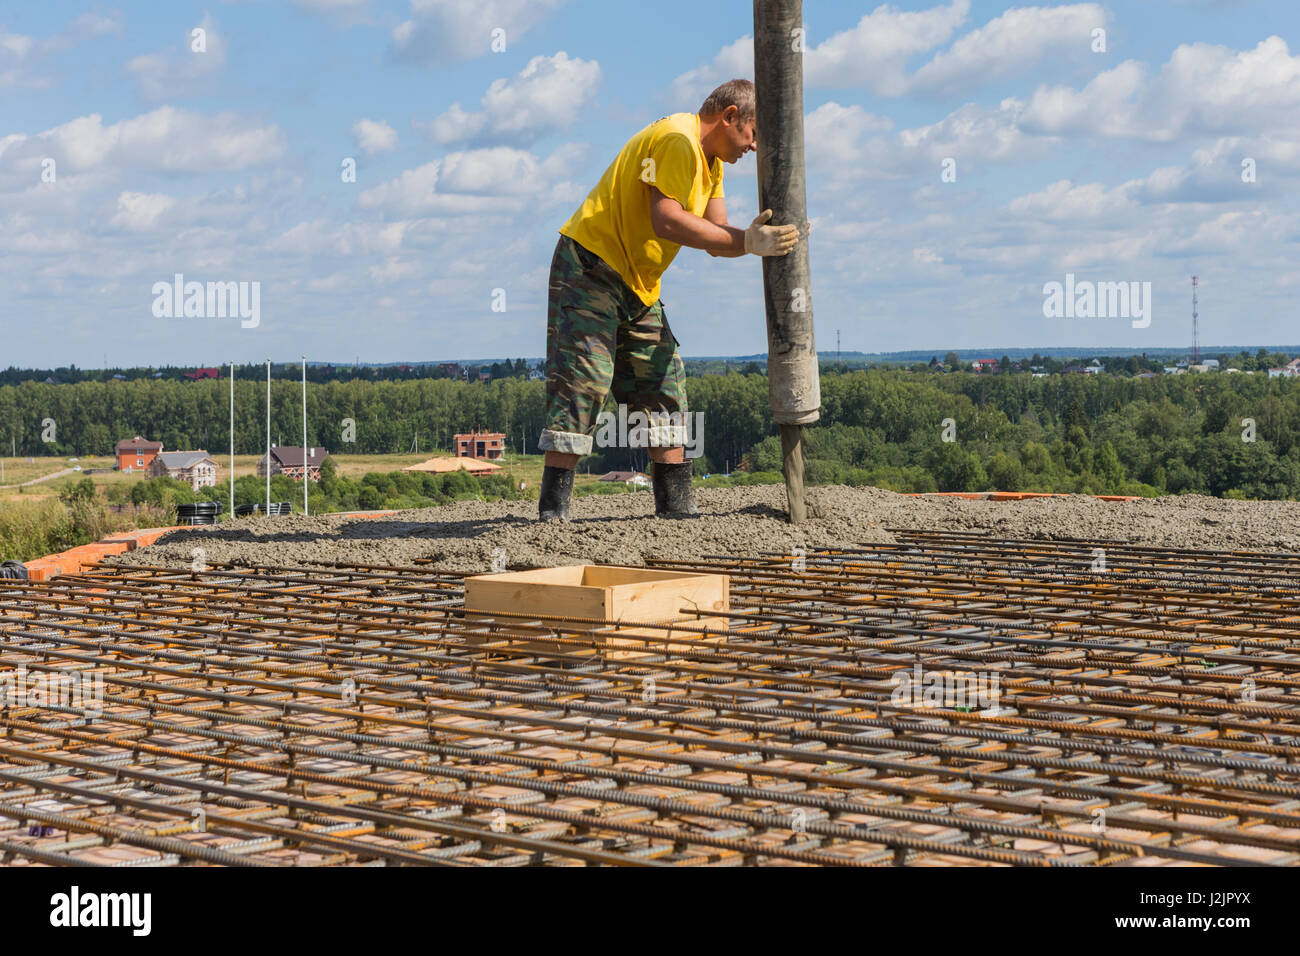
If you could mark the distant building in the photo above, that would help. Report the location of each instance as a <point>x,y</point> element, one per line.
<point>288,460</point>
<point>984,365</point>
<point>136,454</point>
<point>631,478</point>
<point>200,373</point>
<point>440,466</point>
<point>197,467</point>
<point>485,445</point>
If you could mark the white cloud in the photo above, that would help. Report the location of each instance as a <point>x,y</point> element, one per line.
<point>88,26</point>
<point>1203,88</point>
<point>854,145</point>
<point>179,72</point>
<point>15,50</point>
<point>15,44</point>
<point>842,134</point>
<point>393,269</point>
<point>20,55</point>
<point>735,60</point>
<point>333,283</point>
<point>1018,38</point>
<point>167,139</point>
<point>1107,105</point>
<point>450,31</point>
<point>331,6</point>
<point>140,211</point>
<point>374,136</point>
<point>874,54</point>
<point>974,133</point>
<point>1063,201</point>
<point>546,95</point>
<point>322,237</point>
<point>499,179</point>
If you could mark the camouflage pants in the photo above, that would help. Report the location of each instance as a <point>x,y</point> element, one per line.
<point>602,340</point>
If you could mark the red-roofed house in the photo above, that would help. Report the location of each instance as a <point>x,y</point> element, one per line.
<point>288,460</point>
<point>134,454</point>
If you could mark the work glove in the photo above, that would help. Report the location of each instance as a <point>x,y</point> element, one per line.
<point>761,240</point>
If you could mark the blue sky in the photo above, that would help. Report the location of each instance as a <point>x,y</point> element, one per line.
<point>224,165</point>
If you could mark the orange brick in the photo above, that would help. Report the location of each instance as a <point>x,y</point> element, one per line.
<point>42,569</point>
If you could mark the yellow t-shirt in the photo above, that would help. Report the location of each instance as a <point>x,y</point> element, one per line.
<point>614,220</point>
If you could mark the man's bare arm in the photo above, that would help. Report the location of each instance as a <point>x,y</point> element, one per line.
<point>673,223</point>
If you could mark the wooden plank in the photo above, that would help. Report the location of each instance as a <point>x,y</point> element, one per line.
<point>662,600</point>
<point>533,597</point>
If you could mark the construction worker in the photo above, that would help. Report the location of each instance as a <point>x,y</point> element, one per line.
<point>605,326</point>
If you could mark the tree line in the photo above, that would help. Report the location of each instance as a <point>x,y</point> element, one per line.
<point>1223,434</point>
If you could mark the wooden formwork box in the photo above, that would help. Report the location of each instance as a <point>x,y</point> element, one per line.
<point>607,593</point>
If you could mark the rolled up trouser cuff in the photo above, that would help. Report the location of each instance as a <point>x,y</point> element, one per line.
<point>565,443</point>
<point>667,436</point>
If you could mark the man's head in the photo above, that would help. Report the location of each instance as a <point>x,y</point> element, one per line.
<point>727,121</point>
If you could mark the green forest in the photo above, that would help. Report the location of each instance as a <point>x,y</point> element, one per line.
<point>921,429</point>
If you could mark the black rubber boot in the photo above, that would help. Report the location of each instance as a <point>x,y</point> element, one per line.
<point>557,485</point>
<point>672,486</point>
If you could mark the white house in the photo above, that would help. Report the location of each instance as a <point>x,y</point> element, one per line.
<point>196,467</point>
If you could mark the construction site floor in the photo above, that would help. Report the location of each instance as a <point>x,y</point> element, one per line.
<point>1095,703</point>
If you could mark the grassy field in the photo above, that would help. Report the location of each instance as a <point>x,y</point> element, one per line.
<point>526,468</point>
<point>18,470</point>
<point>34,521</point>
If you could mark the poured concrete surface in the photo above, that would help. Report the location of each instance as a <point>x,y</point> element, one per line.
<point>621,529</point>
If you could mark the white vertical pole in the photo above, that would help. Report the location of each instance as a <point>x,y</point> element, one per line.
<point>268,435</point>
<point>304,435</point>
<point>232,441</point>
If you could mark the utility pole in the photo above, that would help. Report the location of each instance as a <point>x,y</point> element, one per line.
<point>794,387</point>
<point>304,435</point>
<point>1196,332</point>
<point>232,441</point>
<point>268,437</point>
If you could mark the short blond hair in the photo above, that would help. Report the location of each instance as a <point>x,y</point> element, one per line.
<point>737,93</point>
